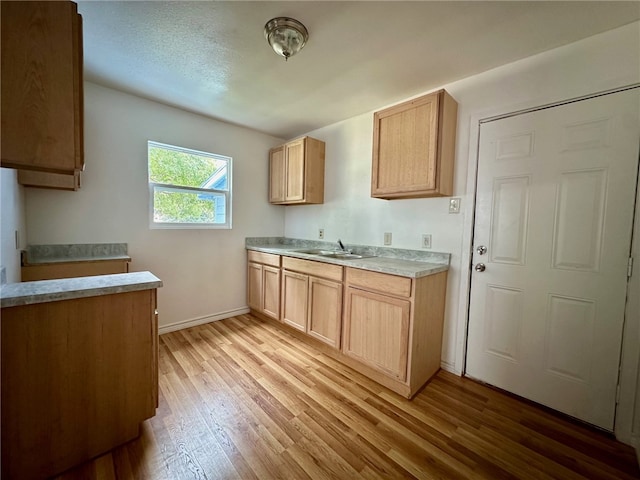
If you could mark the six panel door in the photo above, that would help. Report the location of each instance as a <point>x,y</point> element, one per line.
<point>554,210</point>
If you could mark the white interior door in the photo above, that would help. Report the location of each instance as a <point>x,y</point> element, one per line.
<point>555,201</point>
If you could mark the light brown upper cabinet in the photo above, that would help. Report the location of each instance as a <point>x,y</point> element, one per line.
<point>42,91</point>
<point>296,172</point>
<point>414,147</point>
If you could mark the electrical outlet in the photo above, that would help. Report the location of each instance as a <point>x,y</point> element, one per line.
<point>321,233</point>
<point>454,205</point>
<point>426,240</point>
<point>387,238</point>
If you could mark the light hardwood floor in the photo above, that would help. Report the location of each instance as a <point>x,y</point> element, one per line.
<point>242,399</point>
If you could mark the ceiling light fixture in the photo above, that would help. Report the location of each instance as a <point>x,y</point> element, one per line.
<point>286,36</point>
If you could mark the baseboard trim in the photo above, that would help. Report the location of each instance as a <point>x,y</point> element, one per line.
<point>448,367</point>
<point>194,322</point>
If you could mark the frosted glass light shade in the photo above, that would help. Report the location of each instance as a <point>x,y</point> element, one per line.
<point>286,36</point>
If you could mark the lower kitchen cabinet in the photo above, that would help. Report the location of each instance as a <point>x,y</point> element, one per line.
<point>387,327</point>
<point>376,331</point>
<point>392,327</point>
<point>79,376</point>
<point>263,283</point>
<point>312,298</point>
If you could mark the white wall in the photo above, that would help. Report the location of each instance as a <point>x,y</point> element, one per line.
<point>599,63</point>
<point>203,270</point>
<point>12,213</point>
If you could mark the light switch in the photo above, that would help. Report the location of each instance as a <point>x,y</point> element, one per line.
<point>454,205</point>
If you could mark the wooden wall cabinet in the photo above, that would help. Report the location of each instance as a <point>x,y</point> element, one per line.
<point>296,172</point>
<point>392,327</point>
<point>263,283</point>
<point>56,181</point>
<point>414,148</point>
<point>312,298</point>
<point>42,91</point>
<point>78,378</point>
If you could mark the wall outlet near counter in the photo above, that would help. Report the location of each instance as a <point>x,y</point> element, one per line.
<point>321,233</point>
<point>426,240</point>
<point>387,238</point>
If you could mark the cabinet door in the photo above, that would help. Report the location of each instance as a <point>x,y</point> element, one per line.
<point>254,286</point>
<point>376,331</point>
<point>325,310</point>
<point>295,168</point>
<point>294,299</point>
<point>41,86</point>
<point>271,292</point>
<point>405,147</point>
<point>277,175</point>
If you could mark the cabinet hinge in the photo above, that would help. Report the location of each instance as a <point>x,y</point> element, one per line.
<point>630,267</point>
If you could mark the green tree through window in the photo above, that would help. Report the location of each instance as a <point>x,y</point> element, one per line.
<point>188,187</point>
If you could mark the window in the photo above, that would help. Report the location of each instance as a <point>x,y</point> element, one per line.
<point>188,189</point>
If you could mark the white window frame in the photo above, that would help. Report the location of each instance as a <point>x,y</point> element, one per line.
<point>153,187</point>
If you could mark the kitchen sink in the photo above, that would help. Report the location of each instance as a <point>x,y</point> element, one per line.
<point>334,254</point>
<point>317,251</point>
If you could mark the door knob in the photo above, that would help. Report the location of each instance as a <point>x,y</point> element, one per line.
<point>481,250</point>
<point>480,267</point>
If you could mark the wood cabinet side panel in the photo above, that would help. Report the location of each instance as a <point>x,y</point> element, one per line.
<point>314,170</point>
<point>77,380</point>
<point>75,269</point>
<point>254,286</point>
<point>38,97</point>
<point>78,90</point>
<point>426,329</point>
<point>447,143</point>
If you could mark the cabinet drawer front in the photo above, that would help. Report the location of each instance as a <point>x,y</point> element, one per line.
<point>318,269</point>
<point>265,258</point>
<point>382,282</point>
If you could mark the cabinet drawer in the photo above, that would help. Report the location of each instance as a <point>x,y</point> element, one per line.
<point>265,258</point>
<point>317,269</point>
<point>381,282</point>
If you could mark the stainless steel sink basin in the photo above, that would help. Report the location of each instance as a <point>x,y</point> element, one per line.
<point>344,256</point>
<point>317,251</point>
<point>334,254</point>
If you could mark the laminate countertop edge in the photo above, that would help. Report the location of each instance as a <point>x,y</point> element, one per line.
<point>58,260</point>
<point>42,291</point>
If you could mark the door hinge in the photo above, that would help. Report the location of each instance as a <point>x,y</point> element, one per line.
<point>630,267</point>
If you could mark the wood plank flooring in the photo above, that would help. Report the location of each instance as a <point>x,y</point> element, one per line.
<point>242,399</point>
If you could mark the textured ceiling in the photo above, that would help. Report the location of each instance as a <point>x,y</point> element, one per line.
<point>212,58</point>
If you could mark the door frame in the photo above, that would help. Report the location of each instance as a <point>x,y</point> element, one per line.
<point>628,407</point>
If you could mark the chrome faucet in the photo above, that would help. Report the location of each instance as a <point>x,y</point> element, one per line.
<point>341,246</point>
